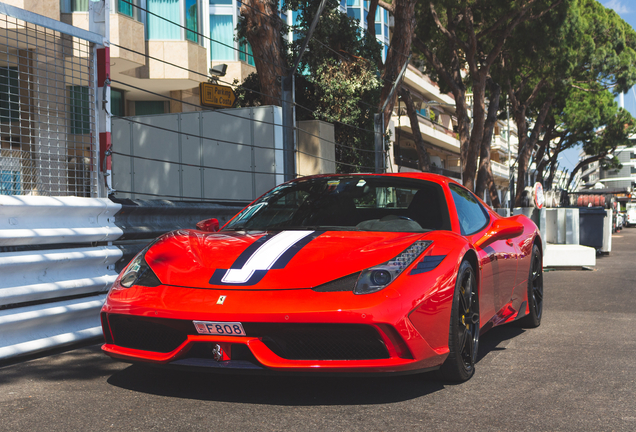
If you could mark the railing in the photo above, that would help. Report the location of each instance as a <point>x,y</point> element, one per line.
<point>499,169</point>
<point>48,108</point>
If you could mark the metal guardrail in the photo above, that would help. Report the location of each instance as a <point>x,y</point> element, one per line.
<point>51,289</point>
<point>37,220</point>
<point>34,276</point>
<point>37,328</point>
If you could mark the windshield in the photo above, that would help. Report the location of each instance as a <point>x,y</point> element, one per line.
<point>360,203</point>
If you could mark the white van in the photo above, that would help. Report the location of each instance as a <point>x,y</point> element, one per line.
<point>631,214</point>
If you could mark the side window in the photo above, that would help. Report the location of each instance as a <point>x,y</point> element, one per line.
<point>472,217</point>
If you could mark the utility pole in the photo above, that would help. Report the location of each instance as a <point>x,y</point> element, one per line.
<point>99,22</point>
<point>289,105</point>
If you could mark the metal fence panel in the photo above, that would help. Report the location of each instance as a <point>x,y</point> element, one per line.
<point>230,155</point>
<point>47,111</point>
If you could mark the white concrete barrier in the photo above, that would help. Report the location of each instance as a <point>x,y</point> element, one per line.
<point>37,220</point>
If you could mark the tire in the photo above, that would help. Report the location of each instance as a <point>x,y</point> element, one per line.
<point>463,337</point>
<point>535,291</point>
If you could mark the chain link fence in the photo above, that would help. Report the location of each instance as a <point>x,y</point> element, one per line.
<point>48,140</point>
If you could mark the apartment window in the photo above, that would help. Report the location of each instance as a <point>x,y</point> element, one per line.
<point>69,6</point>
<point>9,95</point>
<point>245,53</point>
<point>129,8</point>
<point>80,110</point>
<point>10,182</point>
<point>149,107</point>
<point>117,102</point>
<point>222,37</point>
<point>192,20</point>
<point>353,9</point>
<point>125,7</point>
<point>163,19</point>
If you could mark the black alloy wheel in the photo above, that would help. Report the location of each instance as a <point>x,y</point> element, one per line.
<point>535,291</point>
<point>463,339</point>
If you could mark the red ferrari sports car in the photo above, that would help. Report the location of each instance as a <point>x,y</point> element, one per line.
<point>355,273</point>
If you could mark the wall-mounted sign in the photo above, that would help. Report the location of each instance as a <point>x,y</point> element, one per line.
<point>218,96</point>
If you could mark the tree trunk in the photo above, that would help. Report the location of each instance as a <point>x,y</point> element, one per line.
<point>404,16</point>
<point>485,179</point>
<point>422,153</point>
<point>470,152</point>
<point>263,33</point>
<point>526,144</point>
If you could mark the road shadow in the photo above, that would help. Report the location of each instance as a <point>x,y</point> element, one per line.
<point>85,363</point>
<point>272,389</point>
<point>496,340</point>
<point>294,390</point>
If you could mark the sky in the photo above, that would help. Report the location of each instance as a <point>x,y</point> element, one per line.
<point>627,10</point>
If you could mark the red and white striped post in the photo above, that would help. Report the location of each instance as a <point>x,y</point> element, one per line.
<point>99,22</point>
<point>103,99</point>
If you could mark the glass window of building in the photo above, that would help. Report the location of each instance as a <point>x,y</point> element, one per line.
<point>10,182</point>
<point>80,110</point>
<point>70,6</point>
<point>245,53</point>
<point>221,37</point>
<point>149,107</point>
<point>117,102</point>
<point>129,8</point>
<point>192,20</point>
<point>9,95</point>
<point>163,19</point>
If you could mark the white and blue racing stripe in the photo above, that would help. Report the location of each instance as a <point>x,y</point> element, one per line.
<point>267,253</point>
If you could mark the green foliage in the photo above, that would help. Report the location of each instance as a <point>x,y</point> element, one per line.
<point>337,81</point>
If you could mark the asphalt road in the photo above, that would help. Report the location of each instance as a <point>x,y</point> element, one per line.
<point>576,372</point>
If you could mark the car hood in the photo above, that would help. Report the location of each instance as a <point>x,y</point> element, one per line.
<point>270,260</point>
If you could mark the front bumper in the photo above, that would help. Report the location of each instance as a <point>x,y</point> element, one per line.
<point>363,334</point>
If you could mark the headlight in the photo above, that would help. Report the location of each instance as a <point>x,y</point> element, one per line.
<point>139,272</point>
<point>378,277</point>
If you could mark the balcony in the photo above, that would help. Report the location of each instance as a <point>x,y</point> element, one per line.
<point>500,170</point>
<point>433,133</point>
<point>127,38</point>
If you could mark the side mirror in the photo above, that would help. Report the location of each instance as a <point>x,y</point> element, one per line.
<point>209,225</point>
<point>501,229</point>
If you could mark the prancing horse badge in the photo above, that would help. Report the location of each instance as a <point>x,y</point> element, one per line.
<point>220,300</point>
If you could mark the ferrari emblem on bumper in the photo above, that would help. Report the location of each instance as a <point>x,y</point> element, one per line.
<point>221,300</point>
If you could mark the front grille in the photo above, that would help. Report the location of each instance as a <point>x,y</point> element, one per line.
<point>289,341</point>
<point>149,334</point>
<point>326,342</point>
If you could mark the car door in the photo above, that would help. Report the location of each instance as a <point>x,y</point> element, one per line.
<point>497,260</point>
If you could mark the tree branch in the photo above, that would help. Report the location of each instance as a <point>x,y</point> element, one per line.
<point>388,6</point>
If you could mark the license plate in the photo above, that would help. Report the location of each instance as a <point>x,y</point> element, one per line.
<point>219,328</point>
